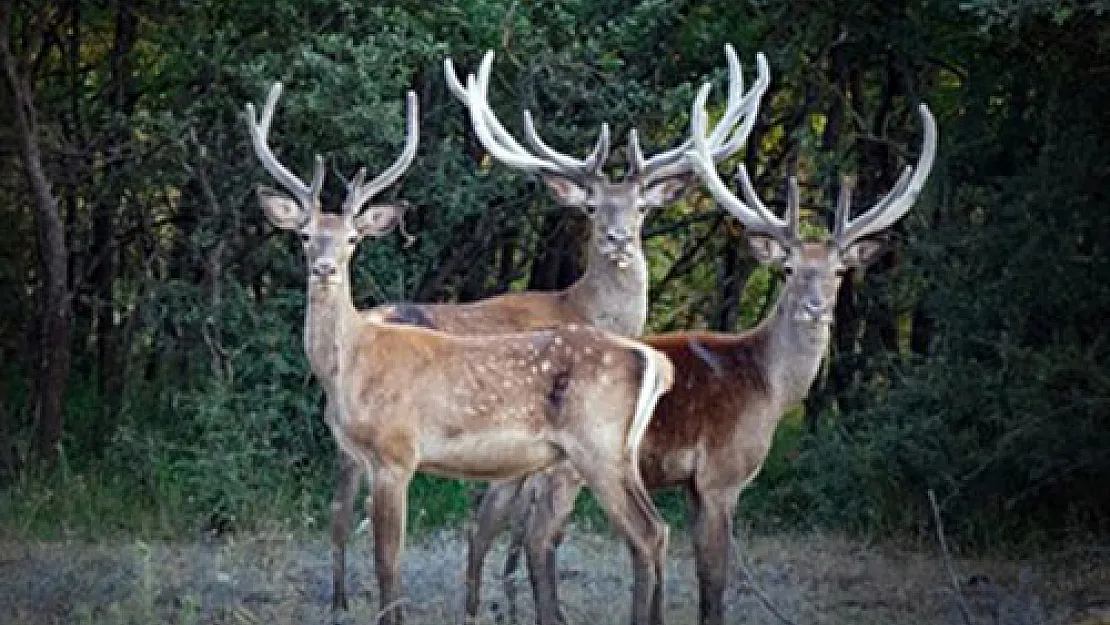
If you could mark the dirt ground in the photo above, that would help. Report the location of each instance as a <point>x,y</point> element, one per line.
<point>279,579</point>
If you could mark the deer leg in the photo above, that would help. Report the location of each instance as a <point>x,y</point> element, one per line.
<point>712,533</point>
<point>553,505</point>
<point>388,508</point>
<point>521,508</point>
<point>630,509</point>
<point>342,515</point>
<point>493,510</point>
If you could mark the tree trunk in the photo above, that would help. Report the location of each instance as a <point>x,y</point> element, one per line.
<point>53,349</point>
<point>122,99</point>
<point>557,265</point>
<point>8,468</point>
<point>733,272</point>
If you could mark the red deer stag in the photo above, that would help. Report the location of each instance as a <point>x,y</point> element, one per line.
<point>612,294</point>
<point>712,432</point>
<point>404,399</point>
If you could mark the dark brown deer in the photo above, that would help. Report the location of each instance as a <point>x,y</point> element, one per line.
<point>712,432</point>
<point>612,294</point>
<point>404,399</point>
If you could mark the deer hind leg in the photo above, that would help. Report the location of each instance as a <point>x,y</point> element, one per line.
<point>712,534</point>
<point>521,510</point>
<point>342,514</point>
<point>387,505</point>
<point>552,506</point>
<point>494,509</point>
<point>629,508</point>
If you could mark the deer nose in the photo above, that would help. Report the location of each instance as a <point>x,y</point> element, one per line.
<point>617,236</point>
<point>815,306</point>
<point>324,268</point>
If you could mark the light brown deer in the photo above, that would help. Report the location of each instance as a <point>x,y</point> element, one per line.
<point>712,432</point>
<point>404,399</point>
<point>612,293</point>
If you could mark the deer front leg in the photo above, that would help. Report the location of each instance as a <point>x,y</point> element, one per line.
<point>712,534</point>
<point>388,509</point>
<point>493,510</point>
<point>342,514</point>
<point>552,505</point>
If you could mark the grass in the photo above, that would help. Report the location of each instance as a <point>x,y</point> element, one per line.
<point>280,577</point>
<point>240,474</point>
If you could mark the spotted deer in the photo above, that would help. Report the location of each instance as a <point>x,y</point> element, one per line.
<point>612,293</point>
<point>712,432</point>
<point>404,399</point>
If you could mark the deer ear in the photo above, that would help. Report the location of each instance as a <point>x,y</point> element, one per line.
<point>566,190</point>
<point>282,211</point>
<point>377,221</point>
<point>766,250</point>
<point>864,251</point>
<point>667,191</point>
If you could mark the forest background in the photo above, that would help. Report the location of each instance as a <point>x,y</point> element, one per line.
<point>152,375</point>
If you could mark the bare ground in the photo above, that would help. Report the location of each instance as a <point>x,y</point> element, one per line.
<point>277,578</point>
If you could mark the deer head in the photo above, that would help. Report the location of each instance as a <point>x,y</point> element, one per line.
<point>329,239</point>
<point>616,208</point>
<point>813,270</point>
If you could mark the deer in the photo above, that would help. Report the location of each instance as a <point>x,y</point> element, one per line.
<point>711,433</point>
<point>611,294</point>
<point>403,398</point>
<point>612,291</point>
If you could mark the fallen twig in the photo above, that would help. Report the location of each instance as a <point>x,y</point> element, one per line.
<point>952,576</point>
<point>393,605</point>
<point>763,597</point>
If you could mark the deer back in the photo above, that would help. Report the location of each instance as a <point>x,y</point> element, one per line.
<point>470,399</point>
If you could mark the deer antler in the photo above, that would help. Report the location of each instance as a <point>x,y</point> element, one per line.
<point>750,211</point>
<point>502,146</point>
<point>726,137</point>
<point>308,196</point>
<point>359,193</point>
<point>895,204</point>
<point>757,217</point>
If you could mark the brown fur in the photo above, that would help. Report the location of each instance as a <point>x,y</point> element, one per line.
<point>710,434</point>
<point>403,399</point>
<point>411,399</point>
<point>698,412</point>
<point>509,312</point>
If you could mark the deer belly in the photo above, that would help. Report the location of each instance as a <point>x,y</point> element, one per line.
<point>487,455</point>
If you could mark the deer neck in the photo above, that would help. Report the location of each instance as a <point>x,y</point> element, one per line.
<point>329,316</point>
<point>794,352</point>
<point>613,298</point>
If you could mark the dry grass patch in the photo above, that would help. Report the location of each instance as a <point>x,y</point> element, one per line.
<point>280,578</point>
